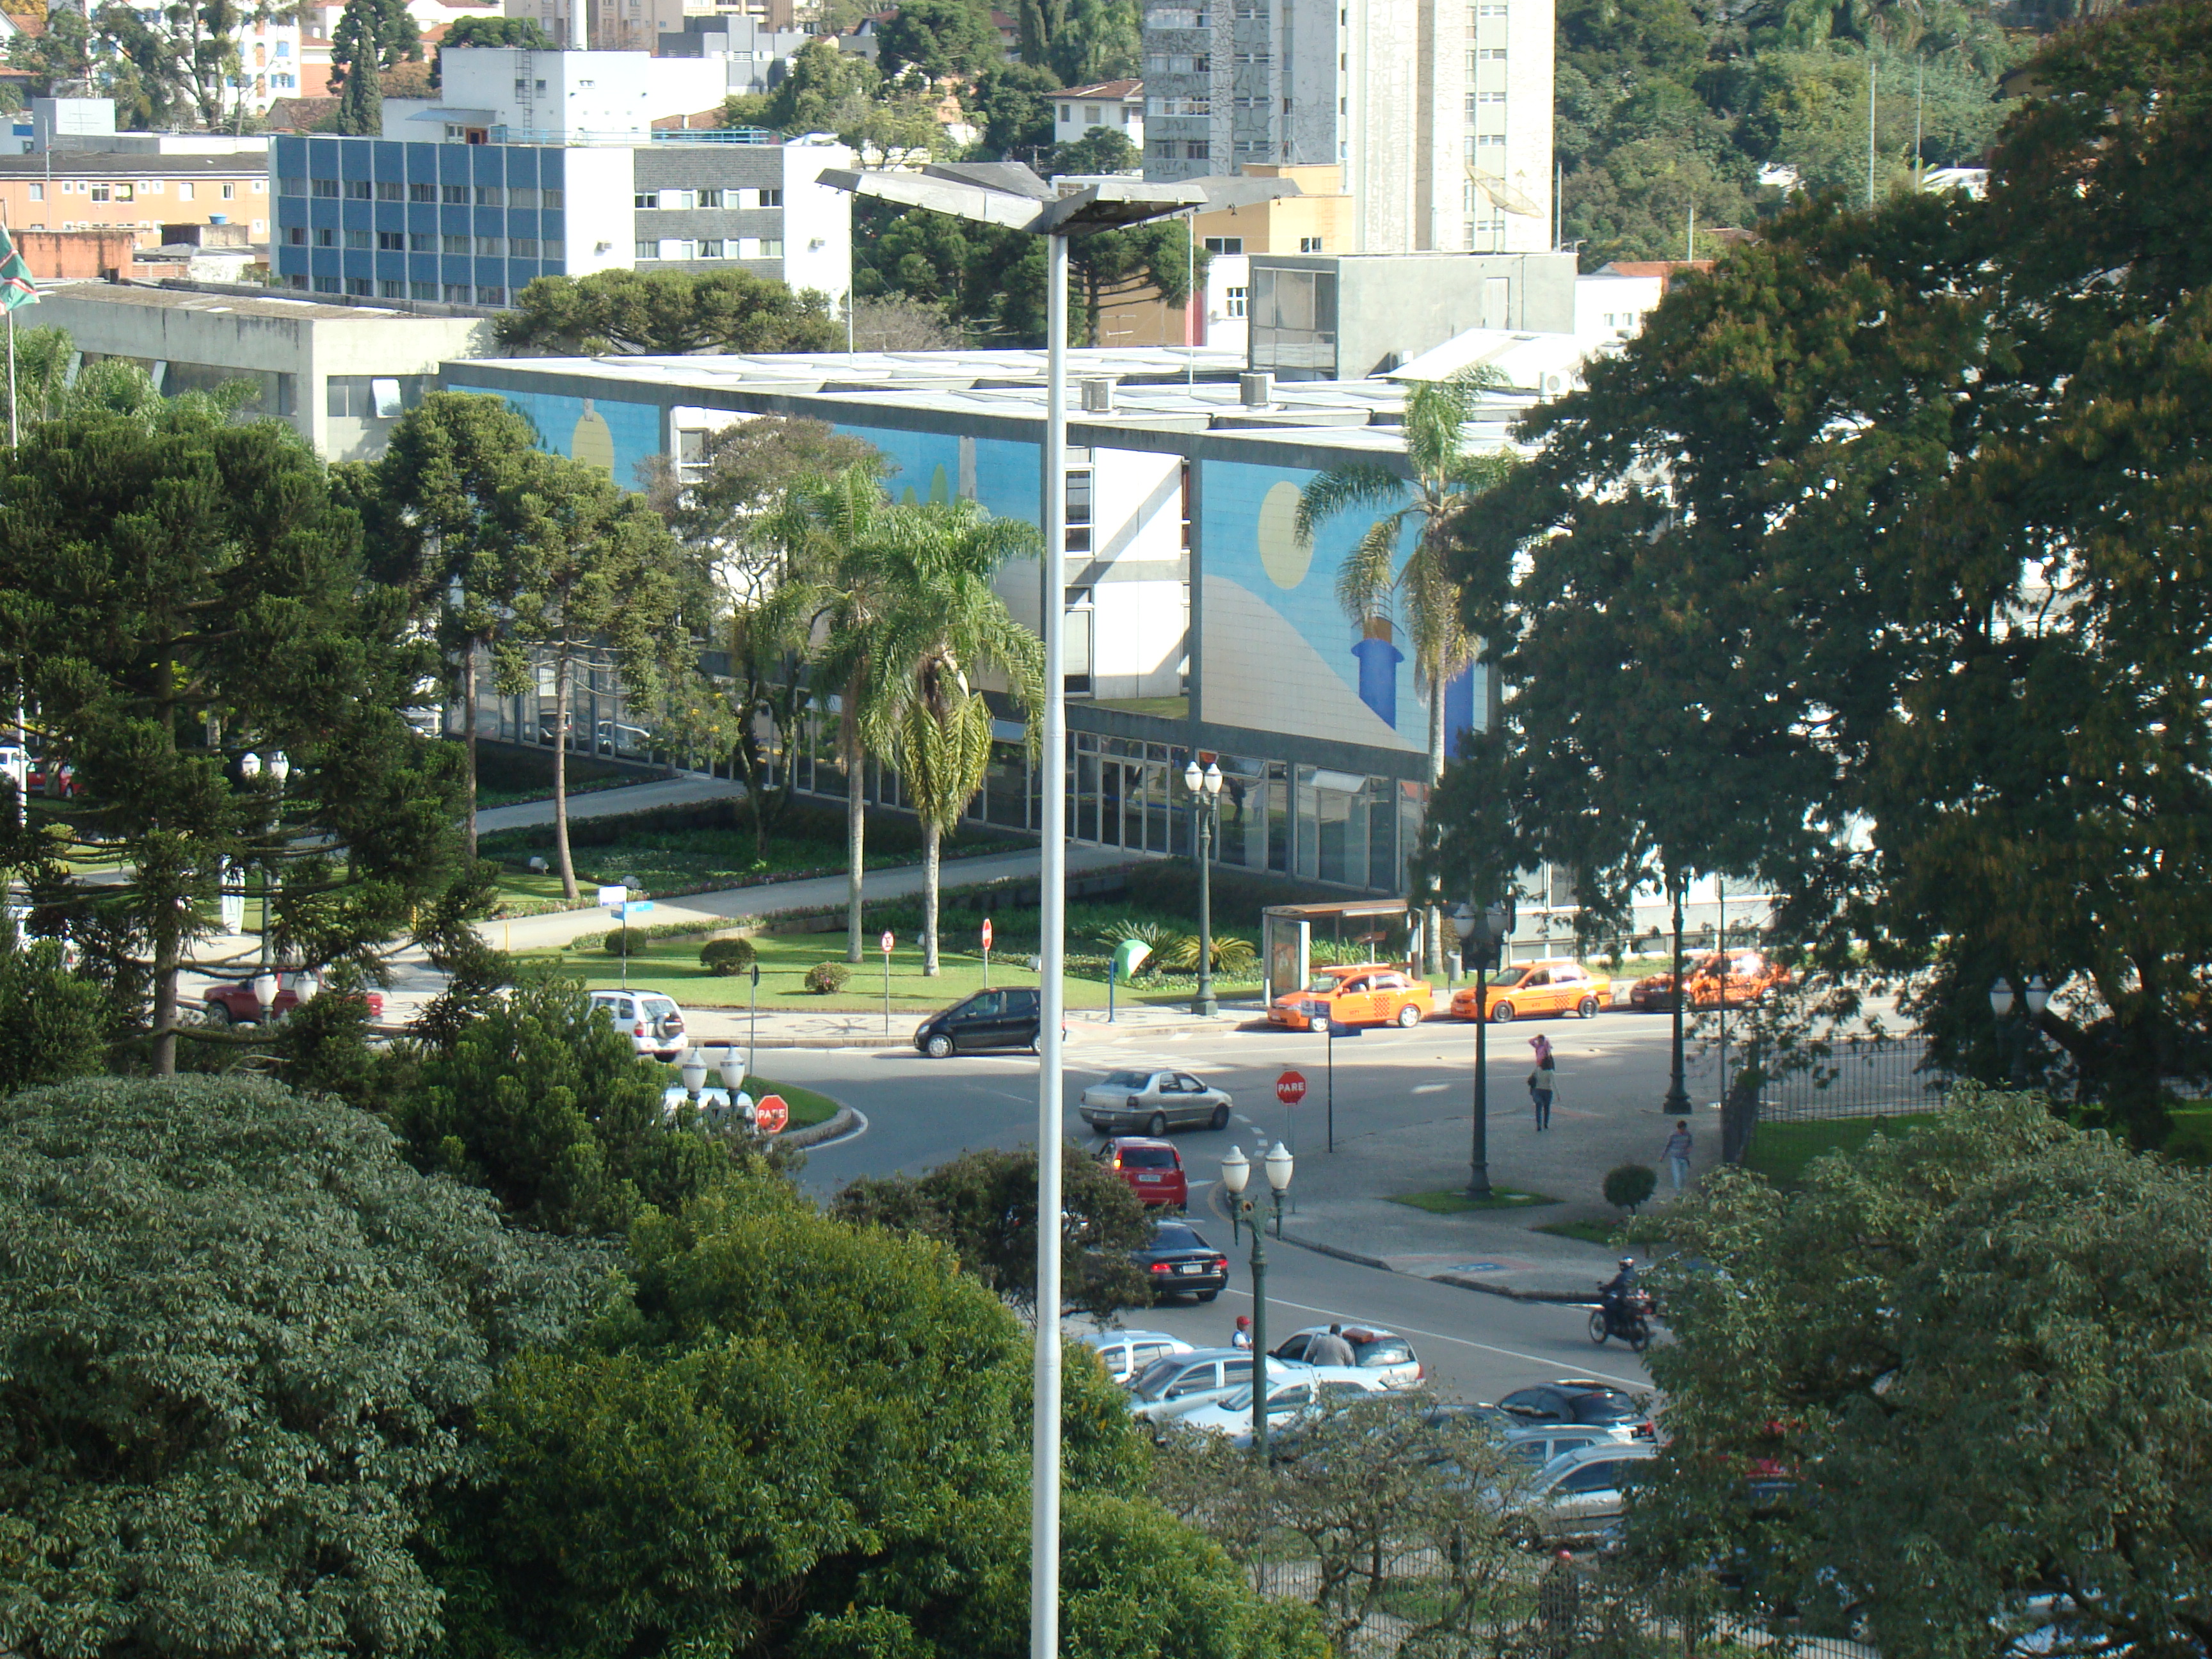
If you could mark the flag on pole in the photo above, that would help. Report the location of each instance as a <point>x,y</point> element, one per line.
<point>16,288</point>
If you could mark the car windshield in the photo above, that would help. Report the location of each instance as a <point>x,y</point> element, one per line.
<point>1604,1405</point>
<point>655,1007</point>
<point>1173,1235</point>
<point>1324,985</point>
<point>1388,1351</point>
<point>1151,1382</point>
<point>1505,978</point>
<point>1127,1081</point>
<point>1146,1158</point>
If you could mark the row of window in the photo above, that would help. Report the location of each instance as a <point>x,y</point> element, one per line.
<point>452,294</point>
<point>681,200</point>
<point>1187,149</point>
<point>1094,115</point>
<point>713,247</point>
<point>115,191</point>
<point>389,190</point>
<point>394,242</point>
<point>1475,13</point>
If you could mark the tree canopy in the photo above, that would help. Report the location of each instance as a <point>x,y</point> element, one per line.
<point>665,313</point>
<point>1883,532</point>
<point>940,38</point>
<point>1961,1368</point>
<point>243,1343</point>
<point>524,31</point>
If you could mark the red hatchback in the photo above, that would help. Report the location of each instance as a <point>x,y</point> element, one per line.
<point>233,1004</point>
<point>1153,1169</point>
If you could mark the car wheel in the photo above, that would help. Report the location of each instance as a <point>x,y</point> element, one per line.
<point>1157,1124</point>
<point>1501,1013</point>
<point>1409,1016</point>
<point>1220,1118</point>
<point>1597,1327</point>
<point>217,1014</point>
<point>940,1046</point>
<point>1587,1007</point>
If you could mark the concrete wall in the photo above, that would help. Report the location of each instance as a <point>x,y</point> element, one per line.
<point>1344,318</point>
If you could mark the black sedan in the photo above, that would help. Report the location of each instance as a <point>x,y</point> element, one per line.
<point>1579,1400</point>
<point>1181,1263</point>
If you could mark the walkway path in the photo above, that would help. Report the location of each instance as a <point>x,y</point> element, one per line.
<point>680,791</point>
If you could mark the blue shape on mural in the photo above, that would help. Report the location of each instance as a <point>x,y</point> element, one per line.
<point>1459,710</point>
<point>1378,671</point>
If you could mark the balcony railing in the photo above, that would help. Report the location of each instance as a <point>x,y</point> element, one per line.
<point>573,136</point>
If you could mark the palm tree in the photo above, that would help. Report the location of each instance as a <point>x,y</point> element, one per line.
<point>1445,478</point>
<point>820,525</point>
<point>942,622</point>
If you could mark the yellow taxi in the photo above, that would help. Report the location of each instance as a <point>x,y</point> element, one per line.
<point>1372,993</point>
<point>1561,985</point>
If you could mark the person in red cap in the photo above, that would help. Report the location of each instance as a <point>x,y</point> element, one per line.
<point>1242,1337</point>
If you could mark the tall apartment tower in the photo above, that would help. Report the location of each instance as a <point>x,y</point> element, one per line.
<point>1438,110</point>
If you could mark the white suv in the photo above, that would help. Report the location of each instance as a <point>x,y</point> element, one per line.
<point>654,1024</point>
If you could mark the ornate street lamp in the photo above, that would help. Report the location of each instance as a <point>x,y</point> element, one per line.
<point>1205,789</point>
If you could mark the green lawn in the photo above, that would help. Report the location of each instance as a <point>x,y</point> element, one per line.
<point>1607,1233</point>
<point>509,776</point>
<point>1780,1151</point>
<point>807,1108</point>
<point>1458,1203</point>
<point>672,966</point>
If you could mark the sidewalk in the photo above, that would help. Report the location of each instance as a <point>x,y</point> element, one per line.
<point>784,898</point>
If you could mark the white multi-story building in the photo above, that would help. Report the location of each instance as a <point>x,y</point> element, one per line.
<point>1441,115</point>
<point>1115,105</point>
<point>544,164</point>
<point>638,25</point>
<point>269,55</point>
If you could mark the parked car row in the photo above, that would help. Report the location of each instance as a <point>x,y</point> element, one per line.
<point>1384,993</point>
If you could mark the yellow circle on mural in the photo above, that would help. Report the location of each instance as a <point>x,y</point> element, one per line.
<point>1282,554</point>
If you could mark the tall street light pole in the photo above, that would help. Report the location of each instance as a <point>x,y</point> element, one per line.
<point>1480,937</point>
<point>1678,1093</point>
<point>1007,193</point>
<point>1205,789</point>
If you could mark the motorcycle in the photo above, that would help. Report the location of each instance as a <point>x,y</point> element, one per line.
<point>1630,1321</point>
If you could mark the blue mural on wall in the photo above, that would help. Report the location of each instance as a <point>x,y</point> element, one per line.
<point>601,431</point>
<point>1276,652</point>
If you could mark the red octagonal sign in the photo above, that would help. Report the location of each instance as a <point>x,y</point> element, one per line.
<point>1291,1087</point>
<point>770,1114</point>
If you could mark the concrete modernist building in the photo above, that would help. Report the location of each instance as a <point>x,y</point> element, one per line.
<point>755,58</point>
<point>1441,114</point>
<point>1115,106</point>
<point>341,374</point>
<point>1197,619</point>
<point>638,25</point>
<point>1329,316</point>
<point>466,202</point>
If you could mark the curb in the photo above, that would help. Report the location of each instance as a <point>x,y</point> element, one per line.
<point>836,1042</point>
<point>844,1123</point>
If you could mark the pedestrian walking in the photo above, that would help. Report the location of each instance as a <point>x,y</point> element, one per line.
<point>1677,1153</point>
<point>1242,1336</point>
<point>1539,1095</point>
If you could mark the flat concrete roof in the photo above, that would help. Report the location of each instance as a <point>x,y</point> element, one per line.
<point>249,304</point>
<point>96,163</point>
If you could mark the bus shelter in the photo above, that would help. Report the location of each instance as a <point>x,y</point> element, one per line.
<point>1287,932</point>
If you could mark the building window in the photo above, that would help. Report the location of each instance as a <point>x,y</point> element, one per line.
<point>421,192</point>
<point>711,247</point>
<point>771,247</point>
<point>228,192</point>
<point>521,197</point>
<point>1310,243</point>
<point>1233,299</point>
<point>296,236</point>
<point>645,199</point>
<point>1067,112</point>
<point>38,192</point>
<point>359,285</point>
<point>328,187</point>
<point>291,185</point>
<point>391,242</point>
<point>1090,115</point>
<point>326,239</point>
<point>359,190</point>
<point>357,239</point>
<point>771,198</point>
<point>455,195</point>
<point>710,198</point>
<point>421,243</point>
<point>490,196</point>
<point>522,248</point>
<point>646,251</point>
<point>298,282</point>
<point>553,198</point>
<point>391,290</point>
<point>457,293</point>
<point>422,291</point>
<point>491,296</point>
<point>1197,150</point>
<point>185,192</point>
<point>1078,512</point>
<point>455,244</point>
<point>1225,245</point>
<point>99,192</point>
<point>326,285</point>
<point>387,191</point>
<point>491,247</point>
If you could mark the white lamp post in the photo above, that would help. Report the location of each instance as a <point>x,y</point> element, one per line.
<point>1205,789</point>
<point>1236,1176</point>
<point>2034,997</point>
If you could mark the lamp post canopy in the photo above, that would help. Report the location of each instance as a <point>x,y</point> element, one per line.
<point>1462,919</point>
<point>1279,1167</point>
<point>694,1071</point>
<point>1009,194</point>
<point>2039,996</point>
<point>264,990</point>
<point>1192,778</point>
<point>1213,778</point>
<point>1235,1171</point>
<point>249,765</point>
<point>733,1074</point>
<point>280,768</point>
<point>2001,998</point>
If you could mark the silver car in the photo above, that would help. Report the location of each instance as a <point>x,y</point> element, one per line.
<point>1153,1103</point>
<point>652,1023</point>
<point>1128,1353</point>
<point>1178,1381</point>
<point>1582,1495</point>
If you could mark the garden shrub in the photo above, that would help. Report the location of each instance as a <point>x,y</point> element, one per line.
<point>1629,1186</point>
<point>825,977</point>
<point>625,942</point>
<point>723,958</point>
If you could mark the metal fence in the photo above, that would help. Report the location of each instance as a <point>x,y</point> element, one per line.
<point>1858,1076</point>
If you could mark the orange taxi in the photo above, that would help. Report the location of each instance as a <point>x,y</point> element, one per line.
<point>1561,985</point>
<point>1750,977</point>
<point>1372,993</point>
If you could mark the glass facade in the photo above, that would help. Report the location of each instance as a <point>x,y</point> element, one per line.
<point>413,217</point>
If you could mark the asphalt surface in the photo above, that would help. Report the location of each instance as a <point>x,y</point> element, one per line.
<point>920,1112</point>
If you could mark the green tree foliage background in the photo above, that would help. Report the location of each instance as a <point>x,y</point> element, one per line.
<point>665,313</point>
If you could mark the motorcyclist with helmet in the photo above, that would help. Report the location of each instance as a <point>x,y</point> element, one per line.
<point>1617,1295</point>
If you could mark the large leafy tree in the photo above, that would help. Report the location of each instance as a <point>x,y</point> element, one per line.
<point>526,32</point>
<point>243,1343</point>
<point>666,313</point>
<point>940,38</point>
<point>1381,574</point>
<point>589,567</point>
<point>982,1205</point>
<point>766,603</point>
<point>1915,487</point>
<point>832,1424</point>
<point>940,627</point>
<point>174,589</point>
<point>1013,103</point>
<point>1964,1367</point>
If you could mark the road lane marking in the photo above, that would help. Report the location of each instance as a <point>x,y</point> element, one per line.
<point>1438,1336</point>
